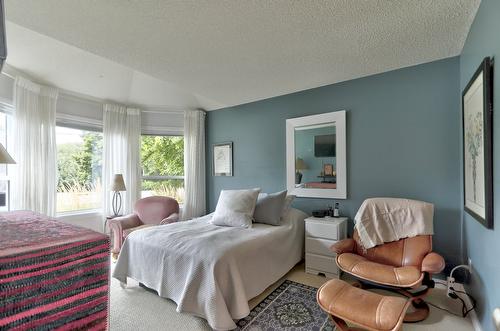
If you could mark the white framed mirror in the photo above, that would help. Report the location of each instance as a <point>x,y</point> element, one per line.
<point>316,156</point>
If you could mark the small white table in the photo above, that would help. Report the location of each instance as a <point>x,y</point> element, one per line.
<point>320,235</point>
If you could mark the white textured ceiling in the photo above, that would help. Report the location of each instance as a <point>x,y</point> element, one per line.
<point>239,51</point>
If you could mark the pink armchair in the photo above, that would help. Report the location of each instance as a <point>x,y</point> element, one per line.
<point>149,211</point>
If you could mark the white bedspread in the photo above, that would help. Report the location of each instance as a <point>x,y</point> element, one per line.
<point>212,271</point>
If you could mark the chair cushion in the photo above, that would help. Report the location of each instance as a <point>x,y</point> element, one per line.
<point>359,266</point>
<point>366,309</point>
<point>126,232</point>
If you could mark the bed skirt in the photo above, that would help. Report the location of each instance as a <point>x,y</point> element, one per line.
<point>52,275</point>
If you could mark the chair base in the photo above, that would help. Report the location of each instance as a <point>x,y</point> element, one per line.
<point>341,325</point>
<point>420,313</point>
<point>420,310</point>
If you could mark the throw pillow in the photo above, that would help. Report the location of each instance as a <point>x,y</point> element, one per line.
<point>269,208</point>
<point>235,208</point>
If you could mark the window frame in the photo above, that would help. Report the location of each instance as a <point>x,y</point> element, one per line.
<point>77,126</point>
<point>7,108</point>
<point>159,178</point>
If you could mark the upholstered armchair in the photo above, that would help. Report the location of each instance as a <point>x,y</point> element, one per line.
<point>149,211</point>
<point>405,266</point>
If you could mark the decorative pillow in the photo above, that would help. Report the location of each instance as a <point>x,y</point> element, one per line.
<point>269,208</point>
<point>235,208</point>
<point>287,205</point>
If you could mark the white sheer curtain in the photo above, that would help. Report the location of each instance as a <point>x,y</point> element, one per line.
<point>121,154</point>
<point>194,164</point>
<point>35,179</point>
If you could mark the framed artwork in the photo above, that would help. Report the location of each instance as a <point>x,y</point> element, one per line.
<point>223,159</point>
<point>477,127</point>
<point>328,169</point>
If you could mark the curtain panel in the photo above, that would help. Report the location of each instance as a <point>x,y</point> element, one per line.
<point>121,154</point>
<point>194,164</point>
<point>35,151</point>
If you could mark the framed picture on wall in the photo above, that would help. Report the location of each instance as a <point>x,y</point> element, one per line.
<point>477,127</point>
<point>223,159</point>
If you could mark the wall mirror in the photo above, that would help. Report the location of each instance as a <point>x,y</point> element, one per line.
<point>316,156</point>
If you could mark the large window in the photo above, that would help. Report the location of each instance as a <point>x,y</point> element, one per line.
<point>163,166</point>
<point>5,121</point>
<point>79,155</point>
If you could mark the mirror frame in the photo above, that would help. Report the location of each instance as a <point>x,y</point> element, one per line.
<point>339,117</point>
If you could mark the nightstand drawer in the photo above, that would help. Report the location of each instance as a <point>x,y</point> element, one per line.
<point>321,229</point>
<point>321,263</point>
<point>319,246</point>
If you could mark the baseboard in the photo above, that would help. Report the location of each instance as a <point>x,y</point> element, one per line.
<point>473,316</point>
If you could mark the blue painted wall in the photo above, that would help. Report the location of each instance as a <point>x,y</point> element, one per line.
<point>482,245</point>
<point>403,140</point>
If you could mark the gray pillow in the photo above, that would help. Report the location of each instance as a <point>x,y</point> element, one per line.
<point>287,205</point>
<point>269,208</point>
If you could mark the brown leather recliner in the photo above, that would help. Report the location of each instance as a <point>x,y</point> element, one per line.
<point>405,266</point>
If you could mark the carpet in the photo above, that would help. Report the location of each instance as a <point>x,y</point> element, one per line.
<point>292,306</point>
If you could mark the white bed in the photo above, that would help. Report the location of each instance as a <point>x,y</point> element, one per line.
<point>212,271</point>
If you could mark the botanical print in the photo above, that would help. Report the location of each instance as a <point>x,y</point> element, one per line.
<point>474,137</point>
<point>474,149</point>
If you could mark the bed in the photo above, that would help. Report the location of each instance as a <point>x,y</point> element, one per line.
<point>212,271</point>
<point>52,275</point>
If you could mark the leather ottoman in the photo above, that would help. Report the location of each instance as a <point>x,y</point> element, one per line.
<point>371,311</point>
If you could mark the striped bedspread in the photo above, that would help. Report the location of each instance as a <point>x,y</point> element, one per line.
<point>53,276</point>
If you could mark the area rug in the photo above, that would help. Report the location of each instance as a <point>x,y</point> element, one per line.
<point>292,306</point>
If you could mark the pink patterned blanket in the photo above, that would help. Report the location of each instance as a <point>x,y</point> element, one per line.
<point>52,275</point>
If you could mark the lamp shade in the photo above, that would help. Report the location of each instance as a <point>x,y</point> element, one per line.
<point>300,164</point>
<point>5,158</point>
<point>118,183</point>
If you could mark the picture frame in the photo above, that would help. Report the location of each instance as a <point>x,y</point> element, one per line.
<point>477,142</point>
<point>222,159</point>
<point>328,169</point>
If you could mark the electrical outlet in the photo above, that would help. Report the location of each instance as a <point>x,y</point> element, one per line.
<point>470,265</point>
<point>450,281</point>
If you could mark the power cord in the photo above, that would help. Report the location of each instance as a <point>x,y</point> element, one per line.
<point>444,309</point>
<point>452,293</point>
<point>466,311</point>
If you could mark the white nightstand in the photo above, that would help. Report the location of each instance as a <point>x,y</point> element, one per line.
<point>321,233</point>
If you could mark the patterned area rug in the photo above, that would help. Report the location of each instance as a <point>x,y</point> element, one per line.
<point>292,306</point>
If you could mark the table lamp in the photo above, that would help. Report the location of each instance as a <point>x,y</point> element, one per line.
<point>117,186</point>
<point>5,158</point>
<point>299,165</point>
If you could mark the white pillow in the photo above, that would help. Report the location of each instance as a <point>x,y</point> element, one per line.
<point>235,208</point>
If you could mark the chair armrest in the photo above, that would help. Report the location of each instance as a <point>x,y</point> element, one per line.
<point>344,246</point>
<point>433,263</point>
<point>171,219</point>
<point>125,222</point>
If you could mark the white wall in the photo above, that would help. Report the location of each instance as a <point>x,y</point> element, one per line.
<point>86,113</point>
<point>93,221</point>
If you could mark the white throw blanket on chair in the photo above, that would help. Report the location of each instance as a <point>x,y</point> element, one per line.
<point>381,220</point>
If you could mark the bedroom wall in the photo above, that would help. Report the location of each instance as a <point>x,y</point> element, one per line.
<point>402,135</point>
<point>483,245</point>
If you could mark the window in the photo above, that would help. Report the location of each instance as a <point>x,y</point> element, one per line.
<point>5,125</point>
<point>162,160</point>
<point>79,155</point>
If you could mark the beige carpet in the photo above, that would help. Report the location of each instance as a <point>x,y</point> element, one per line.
<point>135,308</point>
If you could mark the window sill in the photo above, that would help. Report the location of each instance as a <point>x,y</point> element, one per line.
<point>88,212</point>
